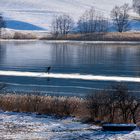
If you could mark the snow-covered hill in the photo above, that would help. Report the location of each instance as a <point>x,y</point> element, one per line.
<point>38,13</point>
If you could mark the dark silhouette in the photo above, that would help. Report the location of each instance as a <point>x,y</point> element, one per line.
<point>2,24</point>
<point>120,17</point>
<point>62,25</point>
<point>48,69</point>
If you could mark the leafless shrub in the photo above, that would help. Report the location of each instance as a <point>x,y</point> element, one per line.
<point>69,106</point>
<point>92,21</point>
<point>62,25</point>
<point>20,35</point>
<point>120,17</point>
<point>116,105</point>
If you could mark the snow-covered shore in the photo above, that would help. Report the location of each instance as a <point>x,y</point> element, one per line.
<point>31,126</point>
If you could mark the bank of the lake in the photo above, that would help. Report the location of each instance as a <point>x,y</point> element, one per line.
<point>109,36</point>
<point>31,126</point>
<point>45,35</point>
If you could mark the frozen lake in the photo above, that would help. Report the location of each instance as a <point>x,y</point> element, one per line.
<point>76,68</point>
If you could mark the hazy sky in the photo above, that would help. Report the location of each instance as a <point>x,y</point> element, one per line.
<point>40,12</point>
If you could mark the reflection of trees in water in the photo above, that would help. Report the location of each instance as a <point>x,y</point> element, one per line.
<point>128,57</point>
<point>75,54</point>
<point>98,57</point>
<point>137,63</point>
<point>78,54</point>
<point>62,54</point>
<point>92,53</point>
<point>22,43</point>
<point>118,57</point>
<point>121,58</point>
<point>2,52</point>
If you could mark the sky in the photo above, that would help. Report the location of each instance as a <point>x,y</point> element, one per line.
<point>41,12</point>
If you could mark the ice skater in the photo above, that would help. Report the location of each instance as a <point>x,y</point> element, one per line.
<point>48,69</point>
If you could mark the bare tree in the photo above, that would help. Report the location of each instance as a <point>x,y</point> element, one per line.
<point>136,6</point>
<point>123,101</point>
<point>127,103</point>
<point>93,105</point>
<point>114,105</point>
<point>120,17</point>
<point>134,107</point>
<point>62,25</point>
<point>92,21</point>
<point>102,24</point>
<point>2,24</point>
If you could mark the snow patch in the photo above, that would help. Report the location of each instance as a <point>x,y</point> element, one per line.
<point>32,126</point>
<point>70,76</point>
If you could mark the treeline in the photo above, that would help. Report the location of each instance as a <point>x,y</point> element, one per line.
<point>92,21</point>
<point>136,6</point>
<point>2,24</point>
<point>114,105</point>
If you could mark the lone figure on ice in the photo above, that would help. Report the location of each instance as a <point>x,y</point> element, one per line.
<point>48,69</point>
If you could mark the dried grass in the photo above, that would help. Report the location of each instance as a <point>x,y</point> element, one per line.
<point>60,106</point>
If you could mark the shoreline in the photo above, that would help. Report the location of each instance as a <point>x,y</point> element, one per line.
<point>96,37</point>
<point>61,106</point>
<point>71,41</point>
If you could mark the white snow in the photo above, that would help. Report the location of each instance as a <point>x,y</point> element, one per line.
<point>41,12</point>
<point>31,126</point>
<point>70,76</point>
